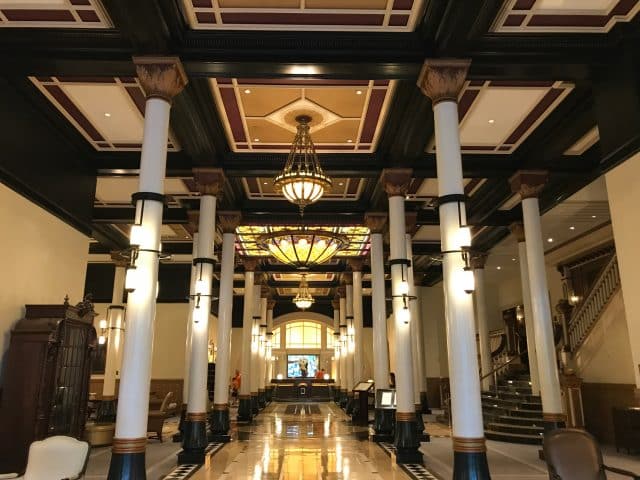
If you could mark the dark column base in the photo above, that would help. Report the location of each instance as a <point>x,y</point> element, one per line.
<point>177,437</point>
<point>383,425</point>
<point>129,466</point>
<point>470,466</point>
<point>106,412</point>
<point>424,403</point>
<point>422,435</point>
<point>343,399</point>
<point>336,394</point>
<point>350,404</point>
<point>219,423</point>
<point>262,399</point>
<point>244,409</point>
<point>254,404</point>
<point>406,441</point>
<point>268,392</point>
<point>553,421</point>
<point>194,441</point>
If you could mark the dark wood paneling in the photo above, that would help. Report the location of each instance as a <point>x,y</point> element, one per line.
<point>598,399</point>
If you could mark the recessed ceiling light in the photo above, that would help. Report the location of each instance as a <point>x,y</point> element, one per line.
<point>498,267</point>
<point>549,239</point>
<point>265,183</point>
<point>572,227</point>
<point>341,184</point>
<point>513,259</point>
<point>107,114</point>
<point>358,92</point>
<point>256,139</point>
<point>349,141</point>
<point>247,91</point>
<point>593,216</point>
<point>492,121</point>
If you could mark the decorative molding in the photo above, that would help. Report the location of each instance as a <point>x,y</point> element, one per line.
<point>479,260</point>
<point>210,181</point>
<point>469,445</point>
<point>517,230</point>
<point>196,417</point>
<point>396,181</point>
<point>355,264</point>
<point>375,221</point>
<point>250,263</point>
<point>529,183</point>
<point>129,445</point>
<point>229,220</point>
<point>161,77</point>
<point>442,80</point>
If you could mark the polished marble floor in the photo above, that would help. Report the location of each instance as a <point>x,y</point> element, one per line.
<point>318,445</point>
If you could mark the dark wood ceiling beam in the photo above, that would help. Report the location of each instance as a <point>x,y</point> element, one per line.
<point>126,214</point>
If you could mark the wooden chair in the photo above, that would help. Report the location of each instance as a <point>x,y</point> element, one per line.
<point>55,458</point>
<point>156,418</point>
<point>573,454</point>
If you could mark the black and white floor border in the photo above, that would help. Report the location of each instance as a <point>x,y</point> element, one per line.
<point>182,472</point>
<point>414,470</point>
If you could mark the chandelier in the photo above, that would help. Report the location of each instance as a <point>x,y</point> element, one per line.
<point>302,181</point>
<point>302,247</point>
<point>303,298</point>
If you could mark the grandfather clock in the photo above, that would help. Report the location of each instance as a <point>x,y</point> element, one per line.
<point>46,378</point>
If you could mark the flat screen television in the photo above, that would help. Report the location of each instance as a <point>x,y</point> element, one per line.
<point>295,363</point>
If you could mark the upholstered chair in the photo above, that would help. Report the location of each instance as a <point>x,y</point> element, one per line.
<point>573,454</point>
<point>156,418</point>
<point>55,458</point>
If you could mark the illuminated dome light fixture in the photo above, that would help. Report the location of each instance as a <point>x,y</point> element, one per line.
<point>302,247</point>
<point>303,298</point>
<point>302,181</point>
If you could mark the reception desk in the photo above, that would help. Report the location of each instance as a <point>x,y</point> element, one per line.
<point>302,390</point>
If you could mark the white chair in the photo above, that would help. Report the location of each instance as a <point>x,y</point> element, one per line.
<point>55,458</point>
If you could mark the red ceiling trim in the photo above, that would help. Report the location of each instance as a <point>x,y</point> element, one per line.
<point>402,4</point>
<point>376,101</point>
<point>138,98</point>
<point>273,18</point>
<point>465,102</point>
<point>354,185</point>
<point>37,15</point>
<point>524,4</point>
<point>206,17</point>
<point>233,114</point>
<point>68,105</point>
<point>88,16</point>
<point>398,20</point>
<point>514,20</point>
<point>537,111</point>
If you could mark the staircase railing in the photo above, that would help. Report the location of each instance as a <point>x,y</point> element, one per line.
<point>501,369</point>
<point>588,313</point>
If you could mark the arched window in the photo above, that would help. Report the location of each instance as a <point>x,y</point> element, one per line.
<point>304,335</point>
<point>330,332</point>
<point>275,341</point>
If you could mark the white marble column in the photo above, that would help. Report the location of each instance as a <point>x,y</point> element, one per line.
<point>219,420</point>
<point>517,229</point>
<point>351,376</point>
<point>269,375</point>
<point>193,220</point>
<point>344,347</point>
<point>162,78</point>
<point>210,182</point>
<point>262,351</point>
<point>396,183</point>
<point>442,80</point>
<point>529,184</point>
<point>486,363</point>
<point>255,344</point>
<point>335,372</point>
<point>358,365</point>
<point>245,413</point>
<point>115,329</point>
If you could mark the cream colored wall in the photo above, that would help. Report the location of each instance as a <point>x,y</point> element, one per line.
<point>623,187</point>
<point>43,259</point>
<point>434,331</point>
<point>607,345</point>
<point>367,352</point>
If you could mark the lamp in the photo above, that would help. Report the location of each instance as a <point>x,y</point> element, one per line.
<point>201,286</point>
<point>403,288</point>
<point>302,247</point>
<point>462,243</point>
<point>102,338</point>
<point>302,180</point>
<point>303,298</point>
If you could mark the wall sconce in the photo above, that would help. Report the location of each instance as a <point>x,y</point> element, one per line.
<point>102,339</point>
<point>403,289</point>
<point>462,242</point>
<point>336,344</point>
<point>574,299</point>
<point>201,285</point>
<point>519,313</point>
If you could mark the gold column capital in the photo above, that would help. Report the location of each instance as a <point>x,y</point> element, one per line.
<point>355,264</point>
<point>517,230</point>
<point>335,303</point>
<point>161,77</point>
<point>528,183</point>
<point>271,303</point>
<point>250,264</point>
<point>479,260</point>
<point>229,220</point>
<point>210,181</point>
<point>375,221</point>
<point>342,291</point>
<point>396,181</point>
<point>442,79</point>
<point>118,259</point>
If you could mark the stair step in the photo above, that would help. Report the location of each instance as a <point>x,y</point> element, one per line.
<point>513,437</point>
<point>511,428</point>
<point>530,421</point>
<point>526,413</point>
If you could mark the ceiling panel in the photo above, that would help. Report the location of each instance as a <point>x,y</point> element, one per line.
<point>107,111</point>
<point>342,189</point>
<point>117,191</point>
<point>549,16</point>
<point>259,114</point>
<point>587,141</point>
<point>53,14</point>
<point>497,116</point>
<point>174,233</point>
<point>427,188</point>
<point>331,15</point>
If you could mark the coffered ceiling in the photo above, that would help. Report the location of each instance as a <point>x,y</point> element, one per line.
<point>53,14</point>
<point>355,15</point>
<point>548,16</point>
<point>259,114</point>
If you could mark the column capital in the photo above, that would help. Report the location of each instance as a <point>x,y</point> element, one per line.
<point>250,263</point>
<point>229,220</point>
<point>210,181</point>
<point>342,291</point>
<point>355,264</point>
<point>118,259</point>
<point>347,278</point>
<point>528,183</point>
<point>335,303</point>
<point>161,77</point>
<point>265,291</point>
<point>193,217</point>
<point>375,221</point>
<point>442,79</point>
<point>271,303</point>
<point>479,260</point>
<point>410,219</point>
<point>517,230</point>
<point>396,181</point>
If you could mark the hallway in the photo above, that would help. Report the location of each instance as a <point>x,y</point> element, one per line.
<point>286,442</point>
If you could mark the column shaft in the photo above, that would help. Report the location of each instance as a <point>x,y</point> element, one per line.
<point>529,319</point>
<point>358,366</point>
<point>187,345</point>
<point>350,336</point>
<point>380,341</point>
<point>541,309</point>
<point>244,407</point>
<point>419,377</point>
<point>115,316</point>
<point>486,364</point>
<point>255,347</point>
